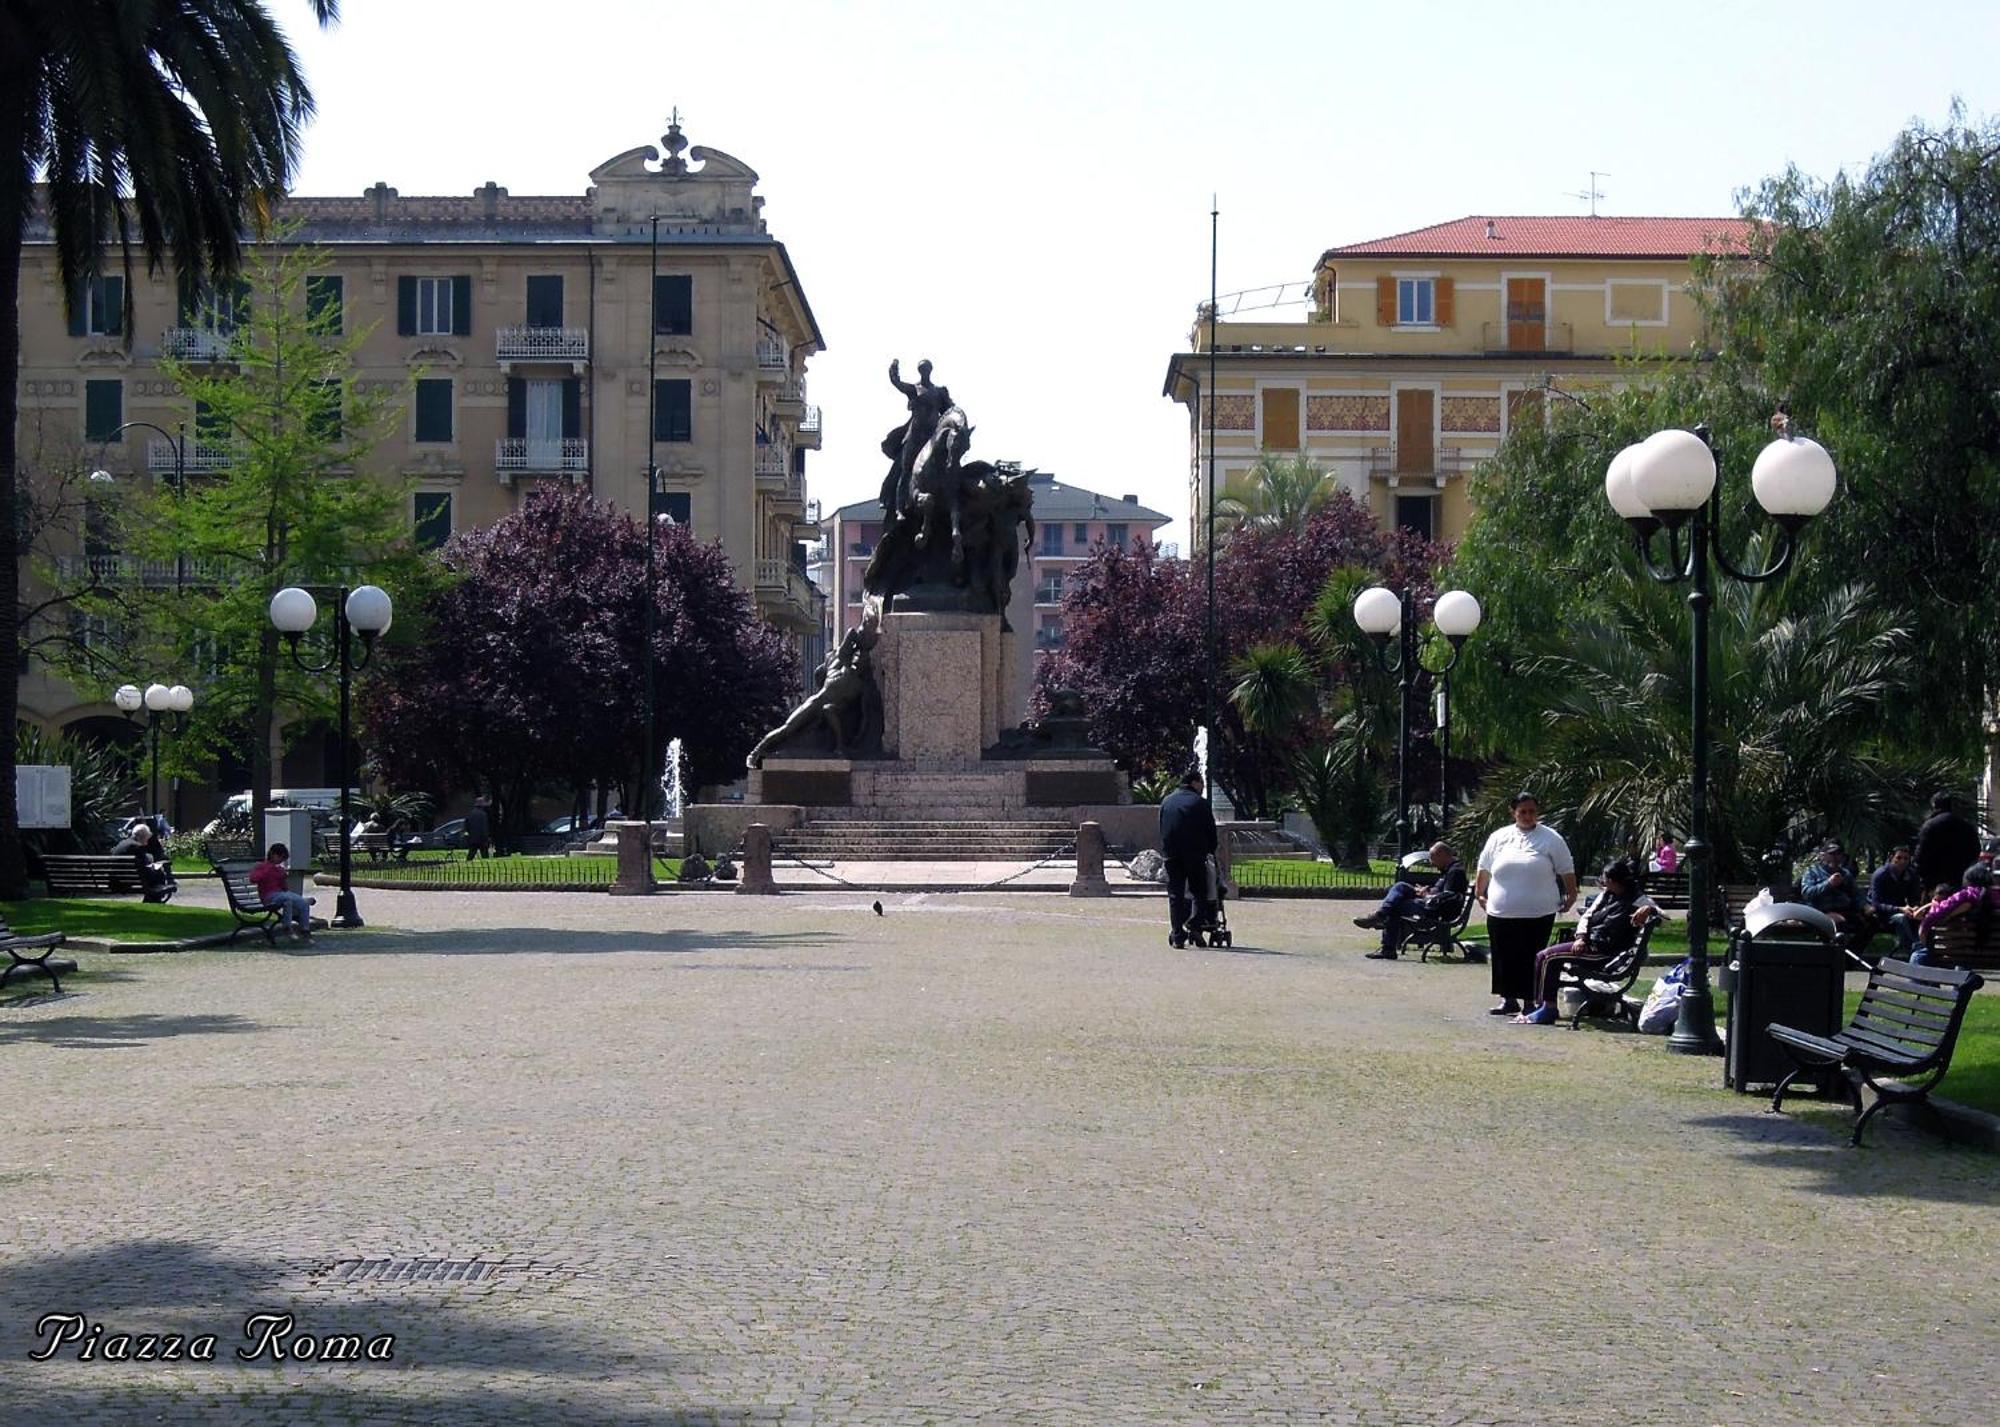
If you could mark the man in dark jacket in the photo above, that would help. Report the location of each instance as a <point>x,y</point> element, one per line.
<point>1946,845</point>
<point>1187,839</point>
<point>478,830</point>
<point>1406,903</point>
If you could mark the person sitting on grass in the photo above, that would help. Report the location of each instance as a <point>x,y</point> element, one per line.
<point>1608,927</point>
<point>1406,903</point>
<point>272,878</point>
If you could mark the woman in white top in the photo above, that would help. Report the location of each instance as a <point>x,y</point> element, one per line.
<point>1526,877</point>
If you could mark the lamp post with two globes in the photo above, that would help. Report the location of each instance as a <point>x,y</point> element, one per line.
<point>1383,614</point>
<point>365,611</point>
<point>159,702</point>
<point>1668,482</point>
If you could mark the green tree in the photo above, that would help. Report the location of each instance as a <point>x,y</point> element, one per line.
<point>290,507</point>
<point>1278,495</point>
<point>152,125</point>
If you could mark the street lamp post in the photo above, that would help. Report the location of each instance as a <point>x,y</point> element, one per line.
<point>1668,482</point>
<point>160,703</point>
<point>177,438</point>
<point>1383,614</point>
<point>365,611</point>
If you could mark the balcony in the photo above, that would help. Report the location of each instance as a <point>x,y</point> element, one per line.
<point>1515,339</point>
<point>131,571</point>
<point>514,455</point>
<point>786,596</point>
<point>772,468</point>
<point>567,346</point>
<point>202,457</point>
<point>1386,464</point>
<point>774,360</point>
<point>790,402</point>
<point>807,433</point>
<point>195,344</point>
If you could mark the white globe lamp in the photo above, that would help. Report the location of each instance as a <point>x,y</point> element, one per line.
<point>1456,615</point>
<point>293,611</point>
<point>1673,474</point>
<point>1378,612</point>
<point>369,610</point>
<point>1793,480</point>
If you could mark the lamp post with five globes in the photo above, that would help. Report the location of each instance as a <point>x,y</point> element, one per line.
<point>365,611</point>
<point>1383,614</point>
<point>1668,482</point>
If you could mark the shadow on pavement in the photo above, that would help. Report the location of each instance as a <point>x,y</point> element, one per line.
<point>1904,1155</point>
<point>106,1032</point>
<point>168,1287</point>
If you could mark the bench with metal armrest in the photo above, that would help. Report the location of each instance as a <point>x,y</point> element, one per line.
<point>30,951</point>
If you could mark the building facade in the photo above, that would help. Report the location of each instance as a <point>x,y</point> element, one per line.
<point>541,339</point>
<point>1069,522</point>
<point>1421,351</point>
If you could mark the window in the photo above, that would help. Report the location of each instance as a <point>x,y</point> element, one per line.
<point>323,419</point>
<point>1115,536</point>
<point>677,506</point>
<point>434,306</point>
<point>1052,539</point>
<point>431,511</point>
<point>210,427</point>
<point>673,411</point>
<point>1050,635</point>
<point>1081,534</point>
<point>97,308</point>
<point>1050,590</point>
<point>545,301</point>
<point>1414,512</point>
<point>103,409</point>
<point>1415,302</point>
<point>434,409</point>
<point>326,300</point>
<point>673,305</point>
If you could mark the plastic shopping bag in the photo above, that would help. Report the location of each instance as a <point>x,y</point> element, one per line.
<point>1662,1008</point>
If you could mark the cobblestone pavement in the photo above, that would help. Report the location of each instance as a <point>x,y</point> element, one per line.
<point>993,1159</point>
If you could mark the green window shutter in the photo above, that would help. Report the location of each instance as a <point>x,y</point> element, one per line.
<point>673,411</point>
<point>461,307</point>
<point>324,302</point>
<point>572,407</point>
<point>517,408</point>
<point>406,307</point>
<point>79,309</point>
<point>673,299</point>
<point>187,299</point>
<point>103,409</point>
<point>113,304</point>
<point>432,511</point>
<point>434,409</point>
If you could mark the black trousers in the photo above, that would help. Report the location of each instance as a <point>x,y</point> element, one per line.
<point>1514,942</point>
<point>1187,892</point>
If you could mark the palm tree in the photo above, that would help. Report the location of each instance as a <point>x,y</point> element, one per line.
<point>1278,494</point>
<point>175,120</point>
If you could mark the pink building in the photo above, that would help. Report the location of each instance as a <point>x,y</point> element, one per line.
<point>1069,521</point>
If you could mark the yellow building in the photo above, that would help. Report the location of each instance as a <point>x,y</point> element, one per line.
<point>1421,351</point>
<point>527,321</point>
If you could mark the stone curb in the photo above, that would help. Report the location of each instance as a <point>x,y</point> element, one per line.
<point>1975,1126</point>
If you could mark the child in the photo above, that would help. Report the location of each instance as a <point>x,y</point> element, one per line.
<point>272,878</point>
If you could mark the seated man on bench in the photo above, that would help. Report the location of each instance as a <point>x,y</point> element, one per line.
<point>1407,904</point>
<point>156,869</point>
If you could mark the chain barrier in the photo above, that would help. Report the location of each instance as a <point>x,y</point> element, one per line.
<point>1065,854</point>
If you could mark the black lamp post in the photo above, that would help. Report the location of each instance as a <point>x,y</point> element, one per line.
<point>365,611</point>
<point>1384,614</point>
<point>160,703</point>
<point>177,438</point>
<point>1668,481</point>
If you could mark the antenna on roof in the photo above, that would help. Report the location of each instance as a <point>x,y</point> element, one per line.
<point>1593,193</point>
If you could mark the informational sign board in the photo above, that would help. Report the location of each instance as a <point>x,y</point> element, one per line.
<point>41,795</point>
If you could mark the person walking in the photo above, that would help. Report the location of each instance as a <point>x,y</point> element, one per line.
<point>1946,844</point>
<point>1526,877</point>
<point>478,831</point>
<point>1187,840</point>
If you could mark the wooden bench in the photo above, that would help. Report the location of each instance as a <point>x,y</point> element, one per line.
<point>1438,934</point>
<point>1899,1043</point>
<point>22,949</point>
<point>1601,990</point>
<point>1971,939</point>
<point>91,874</point>
<point>244,902</point>
<point>1669,889</point>
<point>378,847</point>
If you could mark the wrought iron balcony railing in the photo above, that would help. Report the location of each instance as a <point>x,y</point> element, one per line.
<point>542,344</point>
<point>567,456</point>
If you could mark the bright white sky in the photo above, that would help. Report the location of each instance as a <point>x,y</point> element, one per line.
<point>1020,190</point>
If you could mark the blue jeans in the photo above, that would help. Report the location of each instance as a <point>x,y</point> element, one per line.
<point>292,909</point>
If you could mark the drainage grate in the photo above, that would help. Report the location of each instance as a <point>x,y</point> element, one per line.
<point>347,1271</point>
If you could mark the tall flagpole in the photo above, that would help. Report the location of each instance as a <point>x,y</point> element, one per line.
<point>1208,541</point>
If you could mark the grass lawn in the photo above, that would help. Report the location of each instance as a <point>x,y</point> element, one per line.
<point>114,918</point>
<point>514,870</point>
<point>1290,872</point>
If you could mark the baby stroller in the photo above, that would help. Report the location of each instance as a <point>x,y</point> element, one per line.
<point>1213,929</point>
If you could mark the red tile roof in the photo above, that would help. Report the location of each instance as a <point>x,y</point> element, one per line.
<point>1478,236</point>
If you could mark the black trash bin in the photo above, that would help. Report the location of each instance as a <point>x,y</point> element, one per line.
<point>1785,968</point>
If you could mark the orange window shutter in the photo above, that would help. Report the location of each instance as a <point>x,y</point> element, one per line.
<point>1385,301</point>
<point>1442,302</point>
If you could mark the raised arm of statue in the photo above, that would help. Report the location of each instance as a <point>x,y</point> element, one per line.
<point>896,378</point>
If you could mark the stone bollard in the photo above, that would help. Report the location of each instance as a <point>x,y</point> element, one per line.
<point>757,880</point>
<point>1090,863</point>
<point>635,859</point>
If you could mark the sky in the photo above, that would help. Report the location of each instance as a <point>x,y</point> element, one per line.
<point>1021,191</point>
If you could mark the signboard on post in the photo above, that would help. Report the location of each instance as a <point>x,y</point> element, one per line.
<point>41,795</point>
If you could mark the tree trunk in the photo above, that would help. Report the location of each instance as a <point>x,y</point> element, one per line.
<point>13,872</point>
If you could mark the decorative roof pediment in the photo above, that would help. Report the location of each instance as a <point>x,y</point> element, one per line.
<point>716,193</point>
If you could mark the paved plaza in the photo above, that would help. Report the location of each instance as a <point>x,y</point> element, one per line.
<point>703,1158</point>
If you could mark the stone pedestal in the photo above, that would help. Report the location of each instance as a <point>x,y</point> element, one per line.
<point>1090,863</point>
<point>947,685</point>
<point>757,880</point>
<point>635,859</point>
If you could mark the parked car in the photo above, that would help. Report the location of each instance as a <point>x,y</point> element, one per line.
<point>445,837</point>
<point>570,826</point>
